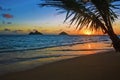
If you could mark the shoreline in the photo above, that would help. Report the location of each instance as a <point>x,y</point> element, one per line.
<point>26,60</point>
<point>100,66</point>
<point>22,50</point>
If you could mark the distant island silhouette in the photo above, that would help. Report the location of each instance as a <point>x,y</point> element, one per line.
<point>35,33</point>
<point>63,33</point>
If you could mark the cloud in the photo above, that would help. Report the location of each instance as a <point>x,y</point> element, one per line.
<point>5,9</point>
<point>9,22</point>
<point>4,22</point>
<point>9,31</point>
<point>6,29</point>
<point>7,15</point>
<point>17,31</point>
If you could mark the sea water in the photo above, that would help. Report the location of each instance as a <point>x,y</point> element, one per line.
<point>21,52</point>
<point>10,43</point>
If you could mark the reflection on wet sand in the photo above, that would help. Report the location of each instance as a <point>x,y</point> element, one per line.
<point>82,49</point>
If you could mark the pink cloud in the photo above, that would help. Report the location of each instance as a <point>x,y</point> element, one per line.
<point>7,15</point>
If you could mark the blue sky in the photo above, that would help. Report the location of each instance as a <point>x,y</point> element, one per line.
<point>28,16</point>
<point>26,9</point>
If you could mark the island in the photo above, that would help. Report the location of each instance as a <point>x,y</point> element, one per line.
<point>35,33</point>
<point>63,33</point>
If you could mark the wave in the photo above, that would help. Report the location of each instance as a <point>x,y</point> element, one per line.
<point>14,50</point>
<point>23,43</point>
<point>14,60</point>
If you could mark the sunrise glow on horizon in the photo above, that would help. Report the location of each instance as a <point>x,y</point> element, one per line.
<point>24,16</point>
<point>87,32</point>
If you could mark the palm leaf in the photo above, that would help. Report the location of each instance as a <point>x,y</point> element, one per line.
<point>93,14</point>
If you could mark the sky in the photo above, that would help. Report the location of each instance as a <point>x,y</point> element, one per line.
<point>24,16</point>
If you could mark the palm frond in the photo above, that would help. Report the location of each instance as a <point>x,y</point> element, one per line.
<point>93,14</point>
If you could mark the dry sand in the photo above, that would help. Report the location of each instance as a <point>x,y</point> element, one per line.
<point>101,66</point>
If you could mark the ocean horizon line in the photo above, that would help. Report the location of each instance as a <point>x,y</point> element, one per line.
<point>52,35</point>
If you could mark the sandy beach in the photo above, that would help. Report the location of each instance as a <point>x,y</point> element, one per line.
<point>100,66</point>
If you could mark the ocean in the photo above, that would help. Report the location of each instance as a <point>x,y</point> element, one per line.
<point>21,52</point>
<point>10,43</point>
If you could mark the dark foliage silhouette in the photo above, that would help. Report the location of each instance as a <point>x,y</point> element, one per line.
<point>92,14</point>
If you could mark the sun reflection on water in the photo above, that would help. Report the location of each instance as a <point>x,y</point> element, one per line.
<point>89,46</point>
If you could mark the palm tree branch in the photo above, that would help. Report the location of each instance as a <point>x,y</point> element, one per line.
<point>82,16</point>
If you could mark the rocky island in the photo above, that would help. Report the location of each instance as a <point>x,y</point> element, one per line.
<point>63,33</point>
<point>35,33</point>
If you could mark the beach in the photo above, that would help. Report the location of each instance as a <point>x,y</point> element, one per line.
<point>23,52</point>
<point>88,60</point>
<point>100,66</point>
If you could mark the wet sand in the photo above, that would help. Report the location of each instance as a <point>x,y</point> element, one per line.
<point>100,66</point>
